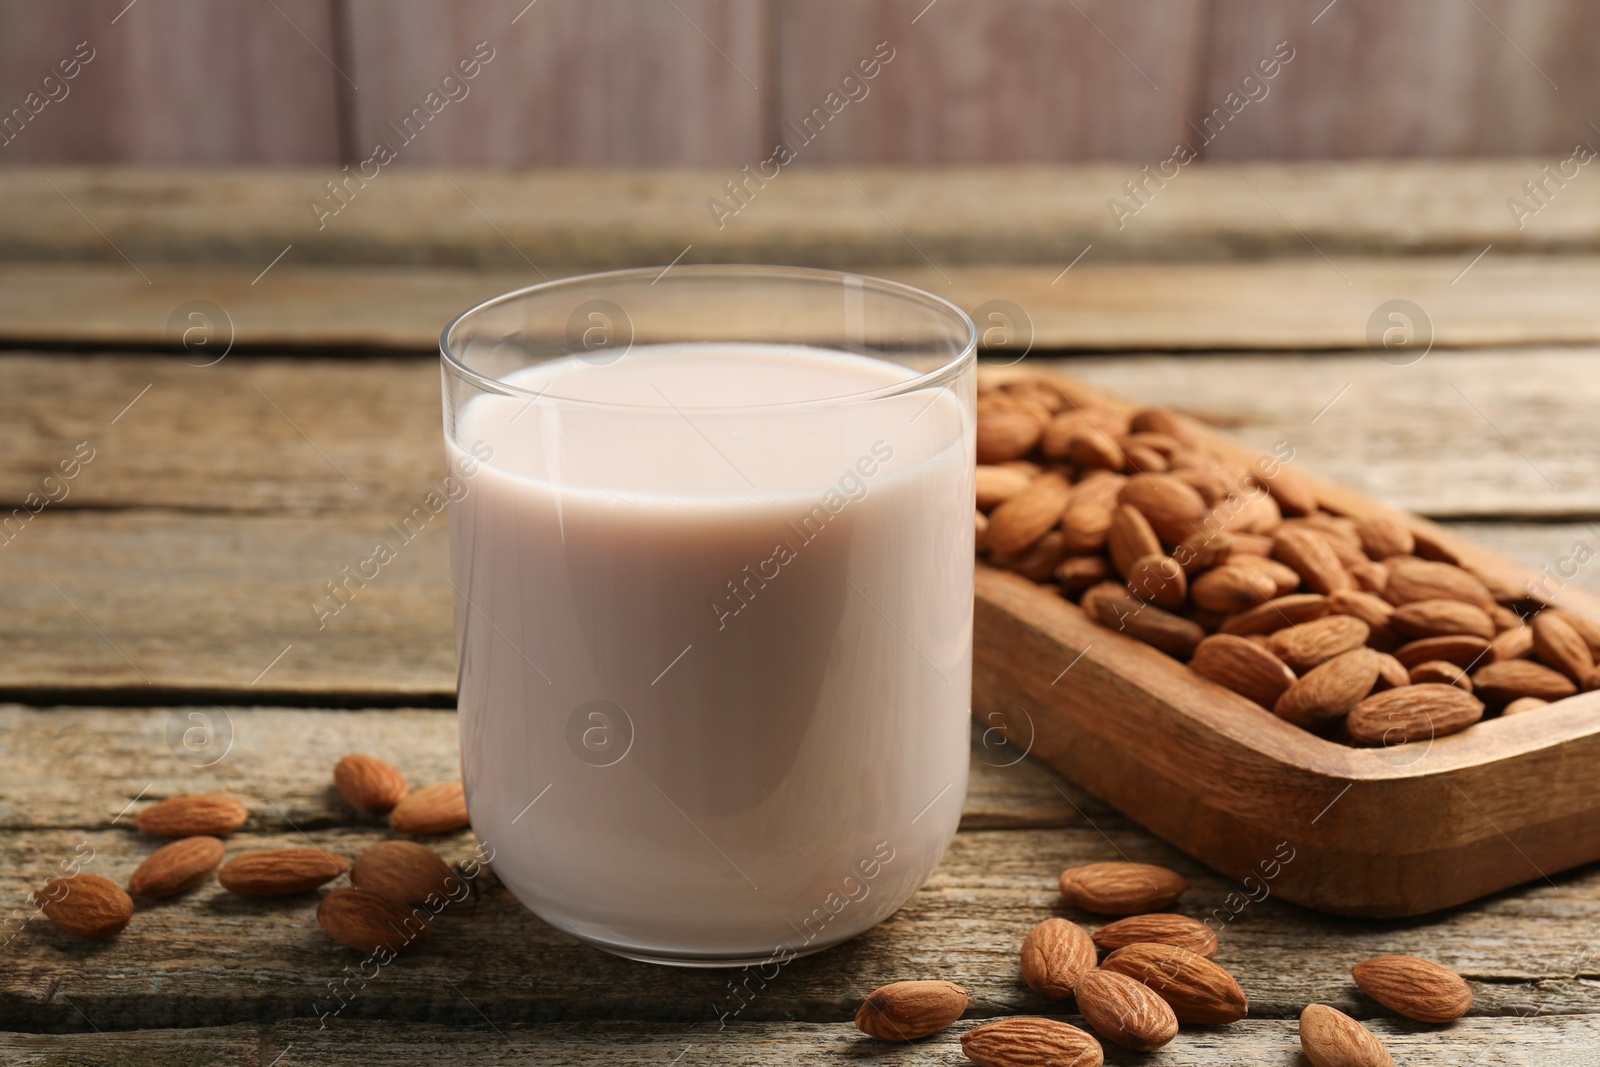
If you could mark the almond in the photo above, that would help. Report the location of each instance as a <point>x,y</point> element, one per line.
<point>1246,668</point>
<point>1501,683</point>
<point>1130,539</point>
<point>1142,459</point>
<point>85,904</point>
<point>1416,988</point>
<point>1371,609</point>
<point>1202,549</point>
<point>1278,613</point>
<point>1004,435</point>
<point>1439,618</point>
<point>367,922</point>
<point>1093,447</point>
<point>1164,421</point>
<point>1232,588</point>
<point>1158,929</point>
<point>1437,671</point>
<point>1463,650</point>
<point>1158,579</point>
<point>905,1011</point>
<point>1077,573</point>
<point>1328,693</point>
<point>1199,991</point>
<point>1115,608</point>
<point>1415,580</point>
<point>1037,562</point>
<point>403,871</point>
<point>1588,629</point>
<point>1369,577</point>
<point>996,485</point>
<point>1121,888</point>
<point>1125,1011</point>
<point>1558,644</point>
<point>437,809</point>
<point>1309,553</point>
<point>368,783</point>
<point>1055,954</point>
<point>1087,520</point>
<point>1522,704</point>
<point>1062,428</point>
<point>1245,544</point>
<point>1330,1038</point>
<point>1025,518</point>
<point>1284,577</point>
<point>1173,507</point>
<point>1412,713</point>
<point>280,872</point>
<point>203,814</point>
<point>1291,492</point>
<point>1311,643</point>
<point>1391,673</point>
<point>172,868</point>
<point>1025,1041</point>
<point>1383,536</point>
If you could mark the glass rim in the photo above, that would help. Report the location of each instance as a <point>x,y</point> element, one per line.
<point>938,376</point>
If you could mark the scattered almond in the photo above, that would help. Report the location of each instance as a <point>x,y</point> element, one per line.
<point>279,872</point>
<point>1055,955</point>
<point>1121,888</point>
<point>1125,1011</point>
<point>1158,929</point>
<point>1330,1038</point>
<point>1416,988</point>
<point>202,814</point>
<point>437,809</point>
<point>1031,1042</point>
<point>368,783</point>
<point>403,871</point>
<point>1199,991</point>
<point>905,1011</point>
<point>172,868</point>
<point>85,904</point>
<point>367,922</point>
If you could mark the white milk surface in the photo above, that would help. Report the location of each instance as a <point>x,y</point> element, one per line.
<point>715,662</point>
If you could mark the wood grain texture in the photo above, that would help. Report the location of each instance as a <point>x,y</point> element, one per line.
<point>280,761</point>
<point>607,82</point>
<point>1247,306</point>
<point>174,82</point>
<point>975,82</point>
<point>1413,78</point>
<point>1515,1042</point>
<point>893,215</point>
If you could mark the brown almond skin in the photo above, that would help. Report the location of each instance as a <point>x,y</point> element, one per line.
<point>1232,588</point>
<point>1199,991</point>
<point>1130,539</point>
<point>1120,888</point>
<point>1392,674</point>
<point>1113,607</point>
<point>1309,553</point>
<point>368,784</point>
<point>1244,667</point>
<point>438,809</point>
<point>1330,1038</point>
<point>1416,988</point>
<point>1516,643</point>
<point>1440,618</point>
<point>1278,613</point>
<point>1025,1041</point>
<point>1412,713</point>
<point>199,815</point>
<point>1158,579</point>
<point>1501,683</point>
<point>1028,516</point>
<point>996,485</point>
<point>1463,650</point>
<point>1055,954</point>
<point>1006,435</point>
<point>1316,642</point>
<point>1173,507</point>
<point>1125,1011</point>
<point>1558,644</point>
<point>85,904</point>
<point>1437,671</point>
<point>905,1011</point>
<point>1383,536</point>
<point>173,868</point>
<point>367,922</point>
<point>1328,692</point>
<point>280,872</point>
<point>1158,929</point>
<point>1523,704</point>
<point>1414,580</point>
<point>403,871</point>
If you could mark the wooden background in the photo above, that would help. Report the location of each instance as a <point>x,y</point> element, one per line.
<point>711,82</point>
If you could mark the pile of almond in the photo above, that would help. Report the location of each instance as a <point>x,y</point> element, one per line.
<point>1158,973</point>
<point>387,879</point>
<point>1359,629</point>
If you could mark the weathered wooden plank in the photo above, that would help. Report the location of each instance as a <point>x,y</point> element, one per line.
<point>1487,434</point>
<point>281,763</point>
<point>209,957</point>
<point>1421,78</point>
<point>1539,1041</point>
<point>974,81</point>
<point>818,216</point>
<point>596,83</point>
<point>1251,305</point>
<point>254,84</point>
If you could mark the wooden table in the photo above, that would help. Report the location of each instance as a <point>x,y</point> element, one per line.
<point>170,588</point>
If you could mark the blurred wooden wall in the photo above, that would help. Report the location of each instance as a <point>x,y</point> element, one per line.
<point>715,81</point>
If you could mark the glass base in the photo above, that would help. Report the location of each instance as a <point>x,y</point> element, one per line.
<point>703,962</point>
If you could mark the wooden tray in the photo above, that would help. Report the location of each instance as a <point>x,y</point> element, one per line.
<point>1374,832</point>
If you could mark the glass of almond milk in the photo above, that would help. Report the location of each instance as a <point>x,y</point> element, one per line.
<point>713,575</point>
